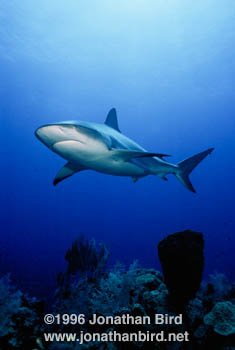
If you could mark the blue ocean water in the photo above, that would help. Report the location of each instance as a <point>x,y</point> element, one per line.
<point>168,68</point>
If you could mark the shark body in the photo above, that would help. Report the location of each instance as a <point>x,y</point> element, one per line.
<point>103,148</point>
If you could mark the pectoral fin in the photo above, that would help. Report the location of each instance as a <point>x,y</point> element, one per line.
<point>68,170</point>
<point>126,154</point>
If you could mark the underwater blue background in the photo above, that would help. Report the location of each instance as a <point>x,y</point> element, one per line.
<point>168,67</point>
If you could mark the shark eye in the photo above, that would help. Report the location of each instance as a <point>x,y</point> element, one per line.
<point>61,128</point>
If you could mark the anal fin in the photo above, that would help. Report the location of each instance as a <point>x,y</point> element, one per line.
<point>136,178</point>
<point>68,170</point>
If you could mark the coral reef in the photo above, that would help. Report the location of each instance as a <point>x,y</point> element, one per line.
<point>85,257</point>
<point>142,292</point>
<point>88,288</point>
<point>222,318</point>
<point>10,301</point>
<point>20,318</point>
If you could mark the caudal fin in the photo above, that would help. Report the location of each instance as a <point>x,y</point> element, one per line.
<point>186,166</point>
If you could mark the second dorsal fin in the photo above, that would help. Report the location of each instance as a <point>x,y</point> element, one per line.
<point>111,119</point>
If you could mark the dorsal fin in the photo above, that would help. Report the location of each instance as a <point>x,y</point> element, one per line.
<point>111,119</point>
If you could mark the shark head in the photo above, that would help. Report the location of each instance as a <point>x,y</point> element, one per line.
<point>53,133</point>
<point>74,130</point>
<point>47,134</point>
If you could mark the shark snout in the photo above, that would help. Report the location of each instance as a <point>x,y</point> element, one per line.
<point>51,134</point>
<point>47,134</point>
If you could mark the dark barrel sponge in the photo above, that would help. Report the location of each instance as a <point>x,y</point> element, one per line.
<point>182,260</point>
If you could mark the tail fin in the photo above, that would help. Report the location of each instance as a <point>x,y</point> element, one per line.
<point>186,166</point>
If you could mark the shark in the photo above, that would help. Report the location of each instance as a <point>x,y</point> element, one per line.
<point>103,148</point>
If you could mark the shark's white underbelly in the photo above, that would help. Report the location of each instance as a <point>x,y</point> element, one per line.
<point>96,156</point>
